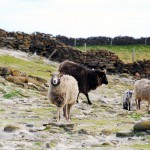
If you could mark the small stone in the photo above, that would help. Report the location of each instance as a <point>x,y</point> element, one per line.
<point>114,142</point>
<point>33,130</point>
<point>106,144</point>
<point>1,145</point>
<point>29,125</point>
<point>106,132</point>
<point>47,145</point>
<point>11,128</point>
<point>82,131</point>
<point>124,134</point>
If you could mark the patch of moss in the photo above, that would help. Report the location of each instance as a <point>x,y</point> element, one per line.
<point>141,146</point>
<point>135,116</point>
<point>92,125</point>
<point>44,110</point>
<point>48,127</point>
<point>11,94</point>
<point>2,110</point>
<point>38,143</point>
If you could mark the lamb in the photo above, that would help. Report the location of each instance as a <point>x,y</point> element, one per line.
<point>63,92</point>
<point>88,79</point>
<point>142,92</point>
<point>127,99</point>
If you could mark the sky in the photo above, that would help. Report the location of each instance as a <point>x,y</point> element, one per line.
<point>77,18</point>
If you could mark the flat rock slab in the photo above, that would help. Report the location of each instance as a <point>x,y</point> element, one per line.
<point>61,125</point>
<point>124,134</point>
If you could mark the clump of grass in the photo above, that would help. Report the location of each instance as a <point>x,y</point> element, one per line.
<point>38,143</point>
<point>11,94</point>
<point>135,116</point>
<point>140,146</point>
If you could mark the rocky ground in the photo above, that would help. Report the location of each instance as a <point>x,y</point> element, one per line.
<point>27,120</point>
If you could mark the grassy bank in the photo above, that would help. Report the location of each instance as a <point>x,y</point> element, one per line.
<point>35,68</point>
<point>124,52</point>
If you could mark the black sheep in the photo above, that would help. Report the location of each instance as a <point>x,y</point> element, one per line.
<point>88,79</point>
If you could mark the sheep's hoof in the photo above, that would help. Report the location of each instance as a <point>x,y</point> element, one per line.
<point>89,103</point>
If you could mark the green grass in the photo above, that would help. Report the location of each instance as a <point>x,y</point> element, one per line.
<point>124,52</point>
<point>141,147</point>
<point>11,94</point>
<point>36,68</point>
<point>135,115</point>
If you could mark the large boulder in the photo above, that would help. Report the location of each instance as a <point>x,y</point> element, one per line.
<point>142,126</point>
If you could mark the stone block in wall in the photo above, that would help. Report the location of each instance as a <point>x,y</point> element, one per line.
<point>103,59</point>
<point>114,58</point>
<point>110,66</point>
<point>23,48</point>
<point>146,70</point>
<point>101,64</point>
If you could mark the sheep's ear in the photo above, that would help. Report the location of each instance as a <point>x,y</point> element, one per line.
<point>60,74</point>
<point>104,70</point>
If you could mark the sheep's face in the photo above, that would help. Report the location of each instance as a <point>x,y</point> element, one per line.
<point>55,80</point>
<point>102,76</point>
<point>130,94</point>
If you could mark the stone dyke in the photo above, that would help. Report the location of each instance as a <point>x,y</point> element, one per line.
<point>140,67</point>
<point>101,40</point>
<point>46,45</point>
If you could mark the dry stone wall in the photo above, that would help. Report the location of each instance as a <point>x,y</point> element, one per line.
<point>140,67</point>
<point>101,40</point>
<point>46,45</point>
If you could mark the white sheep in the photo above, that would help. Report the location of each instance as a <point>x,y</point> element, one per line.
<point>63,92</point>
<point>142,92</point>
<point>127,99</point>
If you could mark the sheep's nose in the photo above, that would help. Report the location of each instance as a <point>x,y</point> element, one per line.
<point>106,82</point>
<point>59,103</point>
<point>54,81</point>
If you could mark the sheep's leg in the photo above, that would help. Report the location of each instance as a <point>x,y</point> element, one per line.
<point>136,102</point>
<point>87,96</point>
<point>125,106</point>
<point>68,111</point>
<point>129,106</point>
<point>78,97</point>
<point>64,111</point>
<point>139,103</point>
